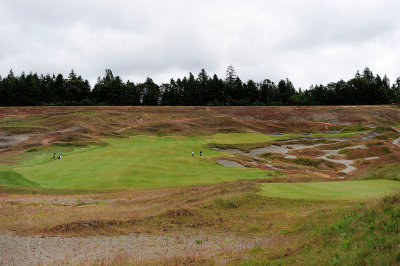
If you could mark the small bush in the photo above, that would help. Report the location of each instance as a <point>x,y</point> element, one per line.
<point>80,203</point>
<point>307,161</point>
<point>226,204</point>
<point>344,151</point>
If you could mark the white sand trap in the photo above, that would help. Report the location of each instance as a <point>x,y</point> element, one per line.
<point>396,141</point>
<point>348,163</point>
<point>270,149</point>
<point>372,158</point>
<point>229,163</point>
<point>283,149</point>
<point>7,140</point>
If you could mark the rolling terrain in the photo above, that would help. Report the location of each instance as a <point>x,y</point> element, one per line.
<point>274,185</point>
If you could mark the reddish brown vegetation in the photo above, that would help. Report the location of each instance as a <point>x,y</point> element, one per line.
<point>310,152</point>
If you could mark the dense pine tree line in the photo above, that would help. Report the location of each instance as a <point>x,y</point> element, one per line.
<point>32,89</point>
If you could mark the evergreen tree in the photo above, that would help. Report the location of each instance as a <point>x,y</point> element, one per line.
<point>132,94</point>
<point>251,93</point>
<point>77,89</point>
<point>269,94</point>
<point>203,89</point>
<point>151,92</point>
<point>395,98</point>
<point>286,90</point>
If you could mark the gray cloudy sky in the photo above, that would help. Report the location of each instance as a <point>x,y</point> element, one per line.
<point>307,41</point>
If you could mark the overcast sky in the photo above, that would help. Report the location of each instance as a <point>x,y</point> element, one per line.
<point>307,41</point>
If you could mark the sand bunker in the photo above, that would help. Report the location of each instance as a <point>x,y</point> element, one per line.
<point>229,163</point>
<point>370,135</point>
<point>396,141</point>
<point>348,163</point>
<point>284,149</point>
<point>7,141</point>
<point>372,158</point>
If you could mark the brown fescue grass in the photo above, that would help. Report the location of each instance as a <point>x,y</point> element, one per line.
<point>29,213</point>
<point>233,207</point>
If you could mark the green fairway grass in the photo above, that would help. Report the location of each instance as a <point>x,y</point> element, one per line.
<point>343,190</point>
<point>140,162</point>
<point>137,162</point>
<point>12,178</point>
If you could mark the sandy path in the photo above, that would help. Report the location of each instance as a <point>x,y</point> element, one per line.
<point>19,250</point>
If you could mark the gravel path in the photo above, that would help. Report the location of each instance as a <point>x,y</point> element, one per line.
<point>20,250</point>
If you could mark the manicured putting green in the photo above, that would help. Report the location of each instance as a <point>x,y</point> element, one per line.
<point>343,190</point>
<point>139,161</point>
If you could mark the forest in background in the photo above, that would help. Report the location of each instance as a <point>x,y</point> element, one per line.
<point>33,89</point>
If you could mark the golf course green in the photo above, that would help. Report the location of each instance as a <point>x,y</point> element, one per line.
<point>343,190</point>
<point>139,162</point>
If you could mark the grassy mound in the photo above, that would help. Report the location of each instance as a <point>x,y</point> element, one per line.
<point>11,178</point>
<point>369,237</point>
<point>390,172</point>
